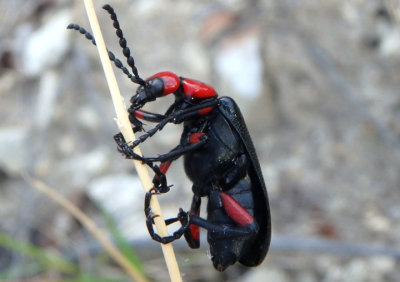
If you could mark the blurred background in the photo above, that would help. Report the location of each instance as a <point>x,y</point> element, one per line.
<point>317,82</point>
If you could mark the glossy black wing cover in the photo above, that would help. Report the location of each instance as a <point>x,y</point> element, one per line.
<point>257,252</point>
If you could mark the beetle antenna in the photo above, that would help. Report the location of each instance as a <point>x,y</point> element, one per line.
<point>111,55</point>
<point>122,42</point>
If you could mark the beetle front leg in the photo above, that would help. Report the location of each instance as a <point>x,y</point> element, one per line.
<point>126,149</point>
<point>194,111</point>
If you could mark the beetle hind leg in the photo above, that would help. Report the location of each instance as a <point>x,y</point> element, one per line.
<point>192,234</point>
<point>182,217</point>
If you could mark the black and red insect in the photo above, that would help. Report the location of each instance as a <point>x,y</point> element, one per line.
<point>219,158</point>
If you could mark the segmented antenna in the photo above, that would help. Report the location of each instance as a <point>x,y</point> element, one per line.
<point>134,78</point>
<point>122,41</point>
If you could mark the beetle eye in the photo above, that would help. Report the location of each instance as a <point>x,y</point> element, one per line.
<point>155,86</point>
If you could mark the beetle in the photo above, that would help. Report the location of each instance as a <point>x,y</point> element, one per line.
<point>219,159</point>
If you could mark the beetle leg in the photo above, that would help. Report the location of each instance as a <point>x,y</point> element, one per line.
<point>192,234</point>
<point>136,114</point>
<point>126,149</point>
<point>149,223</point>
<point>151,132</point>
<point>180,150</point>
<point>245,224</point>
<point>179,116</point>
<point>176,117</point>
<point>159,179</point>
<point>198,110</point>
<point>224,231</point>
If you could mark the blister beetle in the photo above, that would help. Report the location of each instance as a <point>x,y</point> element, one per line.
<point>219,158</point>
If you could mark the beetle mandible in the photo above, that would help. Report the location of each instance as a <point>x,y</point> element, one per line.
<point>219,158</point>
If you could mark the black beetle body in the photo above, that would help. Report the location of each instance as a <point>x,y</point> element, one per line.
<point>228,162</point>
<point>219,158</point>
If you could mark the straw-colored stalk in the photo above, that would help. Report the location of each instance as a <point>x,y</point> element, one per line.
<point>126,129</point>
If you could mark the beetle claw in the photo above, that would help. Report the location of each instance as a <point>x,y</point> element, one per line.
<point>154,191</point>
<point>151,216</point>
<point>183,216</point>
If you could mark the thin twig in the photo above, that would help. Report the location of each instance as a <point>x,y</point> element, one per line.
<point>126,129</point>
<point>90,225</point>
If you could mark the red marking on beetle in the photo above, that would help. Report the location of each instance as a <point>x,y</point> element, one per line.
<point>194,229</point>
<point>196,89</point>
<point>205,111</point>
<point>164,166</point>
<point>235,210</point>
<point>171,81</point>
<point>195,137</point>
<point>139,114</point>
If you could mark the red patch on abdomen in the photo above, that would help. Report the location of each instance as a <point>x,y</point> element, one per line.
<point>235,210</point>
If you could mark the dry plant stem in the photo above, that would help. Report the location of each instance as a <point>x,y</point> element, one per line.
<point>126,129</point>
<point>91,226</point>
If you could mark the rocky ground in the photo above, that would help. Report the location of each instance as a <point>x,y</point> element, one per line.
<point>316,81</point>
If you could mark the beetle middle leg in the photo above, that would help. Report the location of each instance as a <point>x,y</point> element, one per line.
<point>160,179</point>
<point>175,153</point>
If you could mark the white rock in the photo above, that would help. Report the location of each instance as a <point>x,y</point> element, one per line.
<point>81,168</point>
<point>121,195</point>
<point>13,142</point>
<point>46,46</point>
<point>45,104</point>
<point>391,43</point>
<point>240,65</point>
<point>265,274</point>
